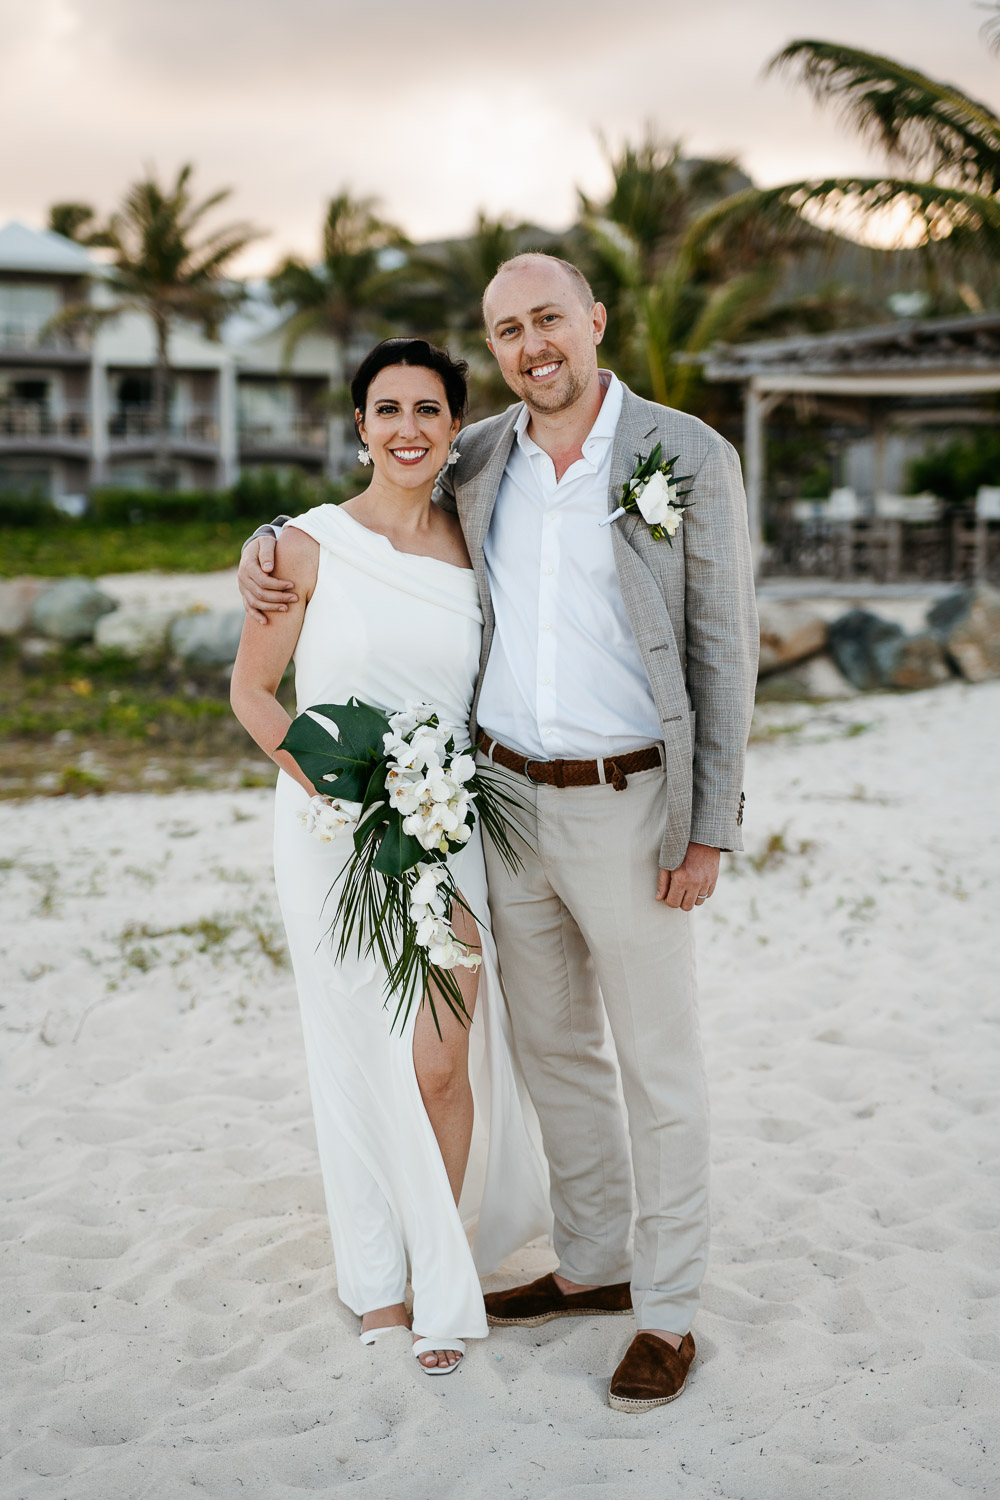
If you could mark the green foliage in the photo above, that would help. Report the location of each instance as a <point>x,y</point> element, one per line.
<point>27,508</point>
<point>134,530</point>
<point>77,221</point>
<point>923,124</point>
<point>70,548</point>
<point>955,471</point>
<point>351,286</point>
<point>113,506</point>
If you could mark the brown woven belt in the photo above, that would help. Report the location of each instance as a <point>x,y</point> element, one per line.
<point>617,768</point>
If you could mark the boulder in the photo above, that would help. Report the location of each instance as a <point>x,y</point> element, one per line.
<point>916,661</point>
<point>788,633</point>
<point>207,638</point>
<point>967,624</point>
<point>17,598</point>
<point>874,654</point>
<point>68,610</point>
<point>134,632</point>
<point>815,680</point>
<point>862,644</point>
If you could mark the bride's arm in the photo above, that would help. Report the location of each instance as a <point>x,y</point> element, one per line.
<point>264,655</point>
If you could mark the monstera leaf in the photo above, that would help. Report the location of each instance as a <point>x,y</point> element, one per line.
<point>350,756</point>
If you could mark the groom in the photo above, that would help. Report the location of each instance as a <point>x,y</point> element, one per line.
<point>616,686</point>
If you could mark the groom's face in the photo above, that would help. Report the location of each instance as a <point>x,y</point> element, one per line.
<point>543,335</point>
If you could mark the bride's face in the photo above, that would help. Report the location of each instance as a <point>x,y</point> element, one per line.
<point>406,424</point>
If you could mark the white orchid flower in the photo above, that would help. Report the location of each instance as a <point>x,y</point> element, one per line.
<point>425,887</point>
<point>655,500</point>
<point>462,768</point>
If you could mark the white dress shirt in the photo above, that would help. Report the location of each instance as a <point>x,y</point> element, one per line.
<point>564,677</point>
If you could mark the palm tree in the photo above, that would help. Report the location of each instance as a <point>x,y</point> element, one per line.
<point>77,221</point>
<point>159,269</point>
<point>946,143</point>
<point>355,287</point>
<point>669,303</point>
<point>456,273</point>
<point>446,283</point>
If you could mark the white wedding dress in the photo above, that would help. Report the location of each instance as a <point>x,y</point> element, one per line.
<point>391,628</point>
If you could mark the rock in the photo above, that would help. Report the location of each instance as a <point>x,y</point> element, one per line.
<point>876,654</point>
<point>207,638</point>
<point>862,646</point>
<point>17,598</point>
<point>134,632</point>
<point>916,661</point>
<point>788,633</point>
<point>815,680</point>
<point>68,610</point>
<point>967,623</point>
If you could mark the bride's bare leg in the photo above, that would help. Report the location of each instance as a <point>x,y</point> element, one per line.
<point>442,1067</point>
<point>394,1316</point>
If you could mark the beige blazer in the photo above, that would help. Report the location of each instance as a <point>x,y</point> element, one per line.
<point>691,605</point>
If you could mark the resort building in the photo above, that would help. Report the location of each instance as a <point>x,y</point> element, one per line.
<point>76,407</point>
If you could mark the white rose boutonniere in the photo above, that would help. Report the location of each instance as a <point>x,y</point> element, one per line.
<point>653,491</point>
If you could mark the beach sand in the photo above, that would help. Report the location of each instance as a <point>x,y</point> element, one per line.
<point>169,1309</point>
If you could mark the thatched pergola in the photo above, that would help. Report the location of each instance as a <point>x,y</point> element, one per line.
<point>924,372</point>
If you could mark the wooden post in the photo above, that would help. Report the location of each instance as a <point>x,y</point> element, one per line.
<point>756,407</point>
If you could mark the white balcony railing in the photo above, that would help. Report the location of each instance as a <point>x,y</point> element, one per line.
<point>33,419</point>
<point>292,432</point>
<point>26,337</point>
<point>138,424</point>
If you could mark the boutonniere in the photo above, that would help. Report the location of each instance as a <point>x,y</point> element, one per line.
<point>653,491</point>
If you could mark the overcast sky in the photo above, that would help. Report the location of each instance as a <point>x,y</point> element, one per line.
<point>437,108</point>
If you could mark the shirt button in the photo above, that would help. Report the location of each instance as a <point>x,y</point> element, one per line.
<point>546,682</point>
<point>548,570</point>
<point>549,733</point>
<point>546,626</point>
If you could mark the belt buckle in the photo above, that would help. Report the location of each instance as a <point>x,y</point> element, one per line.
<point>532,760</point>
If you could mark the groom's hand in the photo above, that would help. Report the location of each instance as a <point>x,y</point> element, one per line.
<point>262,594</point>
<point>694,879</point>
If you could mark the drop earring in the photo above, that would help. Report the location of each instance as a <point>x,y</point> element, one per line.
<point>364,457</point>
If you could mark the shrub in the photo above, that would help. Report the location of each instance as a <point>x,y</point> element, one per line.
<point>112,506</point>
<point>956,470</point>
<point>31,508</point>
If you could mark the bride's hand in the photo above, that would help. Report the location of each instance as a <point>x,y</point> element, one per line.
<point>261,593</point>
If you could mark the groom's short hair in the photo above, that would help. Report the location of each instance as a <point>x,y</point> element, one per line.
<point>581,285</point>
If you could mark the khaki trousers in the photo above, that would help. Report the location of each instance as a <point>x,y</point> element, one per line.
<point>578,923</point>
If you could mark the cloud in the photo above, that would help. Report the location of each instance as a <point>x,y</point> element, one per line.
<point>436,109</point>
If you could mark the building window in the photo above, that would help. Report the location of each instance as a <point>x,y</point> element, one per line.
<point>24,312</point>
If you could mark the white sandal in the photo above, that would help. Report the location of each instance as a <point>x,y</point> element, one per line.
<point>438,1346</point>
<point>372,1335</point>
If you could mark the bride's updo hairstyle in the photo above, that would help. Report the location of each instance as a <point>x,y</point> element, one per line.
<point>403,351</point>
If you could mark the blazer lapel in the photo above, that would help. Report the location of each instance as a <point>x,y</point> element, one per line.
<point>635,425</point>
<point>477,496</point>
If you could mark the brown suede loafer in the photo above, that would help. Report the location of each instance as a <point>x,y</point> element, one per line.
<point>651,1374</point>
<point>541,1300</point>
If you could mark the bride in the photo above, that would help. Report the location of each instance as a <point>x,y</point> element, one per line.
<point>419,1135</point>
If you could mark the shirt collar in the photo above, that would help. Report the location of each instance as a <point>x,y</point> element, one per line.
<point>603,430</point>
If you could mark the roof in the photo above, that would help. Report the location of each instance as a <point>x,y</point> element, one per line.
<point>904,347</point>
<point>39,250</point>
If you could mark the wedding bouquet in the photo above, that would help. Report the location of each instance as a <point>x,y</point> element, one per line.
<point>416,796</point>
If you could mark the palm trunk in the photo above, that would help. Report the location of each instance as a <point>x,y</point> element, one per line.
<point>161,403</point>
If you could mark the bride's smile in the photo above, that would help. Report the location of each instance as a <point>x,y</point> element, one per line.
<point>406,426</point>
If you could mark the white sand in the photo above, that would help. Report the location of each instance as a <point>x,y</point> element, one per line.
<point>168,1298</point>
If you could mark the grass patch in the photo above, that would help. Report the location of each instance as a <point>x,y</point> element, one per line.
<point>90,551</point>
<point>775,850</point>
<point>208,935</point>
<point>79,721</point>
